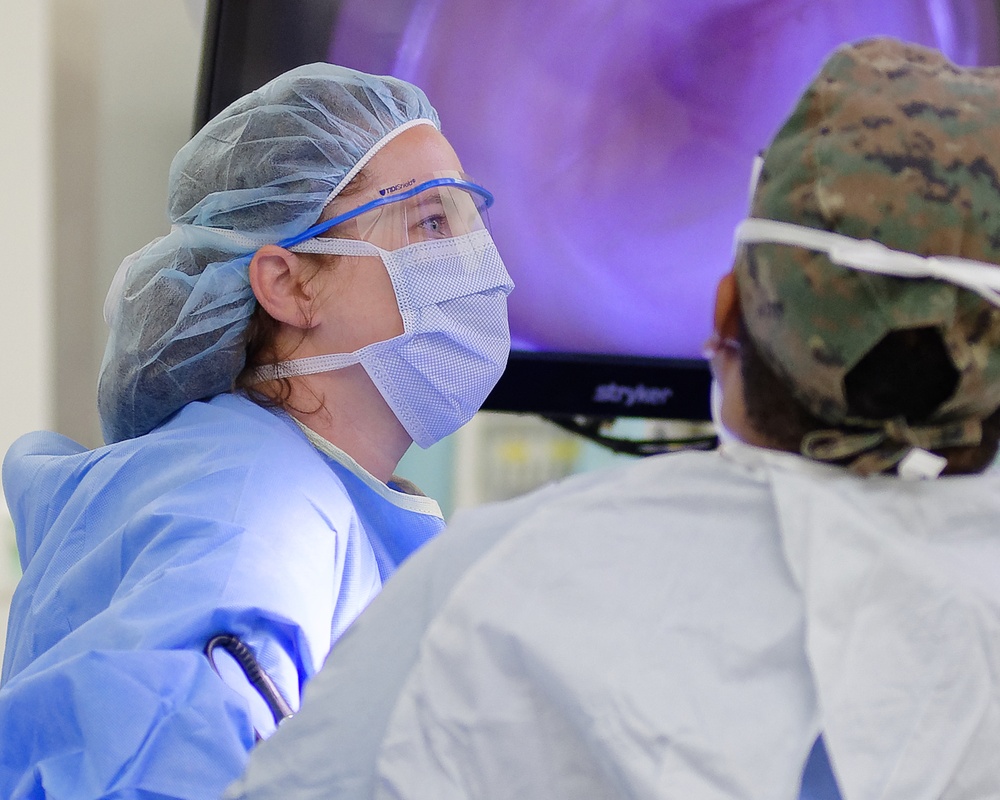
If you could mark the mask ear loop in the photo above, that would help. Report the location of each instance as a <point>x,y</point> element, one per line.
<point>337,247</point>
<point>755,170</point>
<point>716,342</point>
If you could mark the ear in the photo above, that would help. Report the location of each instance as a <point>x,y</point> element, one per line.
<point>278,278</point>
<point>727,307</point>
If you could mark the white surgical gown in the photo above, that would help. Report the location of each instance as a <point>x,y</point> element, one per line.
<point>682,628</point>
<point>226,519</point>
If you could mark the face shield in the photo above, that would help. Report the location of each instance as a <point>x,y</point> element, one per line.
<point>440,205</point>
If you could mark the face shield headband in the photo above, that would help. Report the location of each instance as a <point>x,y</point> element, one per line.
<point>441,206</point>
<point>878,450</point>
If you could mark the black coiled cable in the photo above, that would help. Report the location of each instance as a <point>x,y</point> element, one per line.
<point>259,679</point>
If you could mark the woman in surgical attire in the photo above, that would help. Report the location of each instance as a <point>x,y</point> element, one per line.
<point>328,293</point>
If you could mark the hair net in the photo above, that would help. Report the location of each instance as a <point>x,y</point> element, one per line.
<point>259,172</point>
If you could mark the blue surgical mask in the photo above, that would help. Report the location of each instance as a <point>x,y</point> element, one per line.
<point>452,296</point>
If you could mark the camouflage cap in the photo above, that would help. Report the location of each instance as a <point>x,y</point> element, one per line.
<point>894,143</point>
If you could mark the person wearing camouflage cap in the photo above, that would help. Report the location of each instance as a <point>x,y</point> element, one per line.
<point>892,154</point>
<point>809,610</point>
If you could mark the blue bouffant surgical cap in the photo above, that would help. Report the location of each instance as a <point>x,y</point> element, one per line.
<point>262,170</point>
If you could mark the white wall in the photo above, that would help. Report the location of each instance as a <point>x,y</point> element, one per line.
<point>124,88</point>
<point>99,95</point>
<point>25,229</point>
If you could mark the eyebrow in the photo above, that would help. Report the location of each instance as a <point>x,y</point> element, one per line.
<point>426,198</point>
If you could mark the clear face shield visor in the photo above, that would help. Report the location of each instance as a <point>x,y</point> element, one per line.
<point>440,205</point>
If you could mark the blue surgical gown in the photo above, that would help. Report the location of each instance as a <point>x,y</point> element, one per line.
<point>224,519</point>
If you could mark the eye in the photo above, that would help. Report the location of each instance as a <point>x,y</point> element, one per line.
<point>435,226</point>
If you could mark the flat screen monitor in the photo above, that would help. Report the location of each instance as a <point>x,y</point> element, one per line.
<point>617,137</point>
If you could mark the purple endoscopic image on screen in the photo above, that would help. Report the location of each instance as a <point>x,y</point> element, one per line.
<point>618,135</point>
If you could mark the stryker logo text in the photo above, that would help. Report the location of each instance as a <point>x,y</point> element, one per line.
<point>628,396</point>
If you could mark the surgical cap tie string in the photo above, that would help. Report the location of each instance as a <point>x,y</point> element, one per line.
<point>886,443</point>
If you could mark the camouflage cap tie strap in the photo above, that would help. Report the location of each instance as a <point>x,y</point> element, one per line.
<point>836,445</point>
<point>883,447</point>
<point>871,256</point>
